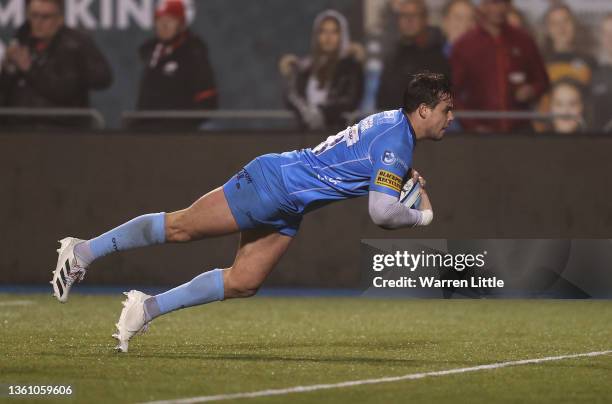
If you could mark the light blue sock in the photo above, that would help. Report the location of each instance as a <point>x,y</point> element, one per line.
<point>204,288</point>
<point>139,232</point>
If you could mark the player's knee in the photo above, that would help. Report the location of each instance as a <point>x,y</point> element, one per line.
<point>176,228</point>
<point>239,286</point>
<point>245,291</point>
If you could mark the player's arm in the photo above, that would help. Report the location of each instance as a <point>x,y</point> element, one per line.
<point>388,172</point>
<point>388,212</point>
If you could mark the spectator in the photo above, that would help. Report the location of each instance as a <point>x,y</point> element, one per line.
<point>49,64</point>
<point>567,98</point>
<point>177,74</point>
<point>602,80</point>
<point>496,67</point>
<point>560,47</point>
<point>324,86</point>
<point>561,56</point>
<point>419,48</point>
<point>517,19</point>
<point>458,17</point>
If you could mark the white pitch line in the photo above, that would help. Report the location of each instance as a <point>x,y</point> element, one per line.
<point>16,303</point>
<point>413,376</point>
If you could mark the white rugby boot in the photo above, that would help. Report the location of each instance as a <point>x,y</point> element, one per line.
<point>132,320</point>
<point>68,270</point>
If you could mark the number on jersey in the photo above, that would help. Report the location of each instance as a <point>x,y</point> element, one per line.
<point>349,135</point>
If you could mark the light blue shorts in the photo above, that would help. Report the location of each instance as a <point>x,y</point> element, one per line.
<point>253,204</point>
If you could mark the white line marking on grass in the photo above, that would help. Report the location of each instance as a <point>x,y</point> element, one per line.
<point>16,303</point>
<point>413,376</point>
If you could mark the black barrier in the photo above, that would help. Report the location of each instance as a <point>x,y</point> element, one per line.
<point>514,186</point>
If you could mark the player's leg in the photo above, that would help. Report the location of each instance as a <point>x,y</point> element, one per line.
<point>209,216</point>
<point>258,253</point>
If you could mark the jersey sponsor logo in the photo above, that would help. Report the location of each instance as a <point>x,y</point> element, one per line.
<point>388,157</point>
<point>389,180</point>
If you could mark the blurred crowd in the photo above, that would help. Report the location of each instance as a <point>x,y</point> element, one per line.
<point>496,61</point>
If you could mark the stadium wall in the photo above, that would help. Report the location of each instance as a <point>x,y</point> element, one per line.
<point>514,186</point>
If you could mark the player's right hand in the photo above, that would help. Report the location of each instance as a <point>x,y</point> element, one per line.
<point>417,177</point>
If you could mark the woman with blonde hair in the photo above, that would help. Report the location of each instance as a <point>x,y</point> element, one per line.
<point>328,83</point>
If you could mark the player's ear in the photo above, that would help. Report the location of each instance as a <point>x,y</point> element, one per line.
<point>424,111</point>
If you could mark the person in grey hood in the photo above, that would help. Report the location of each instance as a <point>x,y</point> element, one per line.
<point>328,83</point>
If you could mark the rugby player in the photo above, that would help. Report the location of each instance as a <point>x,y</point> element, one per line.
<point>265,202</point>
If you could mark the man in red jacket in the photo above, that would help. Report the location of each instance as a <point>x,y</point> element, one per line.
<point>496,67</point>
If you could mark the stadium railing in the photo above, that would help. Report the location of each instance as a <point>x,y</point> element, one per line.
<point>99,122</point>
<point>93,114</point>
<point>352,117</point>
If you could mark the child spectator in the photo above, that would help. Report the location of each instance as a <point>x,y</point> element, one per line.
<point>567,98</point>
<point>329,82</point>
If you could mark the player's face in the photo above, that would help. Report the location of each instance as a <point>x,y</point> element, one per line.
<point>329,36</point>
<point>440,118</point>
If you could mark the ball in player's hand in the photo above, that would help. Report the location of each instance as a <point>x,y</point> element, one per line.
<point>411,194</point>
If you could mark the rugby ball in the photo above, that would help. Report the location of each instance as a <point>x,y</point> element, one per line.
<point>411,194</point>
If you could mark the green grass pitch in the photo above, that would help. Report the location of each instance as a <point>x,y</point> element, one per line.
<point>266,343</point>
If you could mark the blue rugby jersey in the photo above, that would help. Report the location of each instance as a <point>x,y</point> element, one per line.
<point>373,155</point>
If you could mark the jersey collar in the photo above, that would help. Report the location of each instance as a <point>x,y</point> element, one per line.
<point>410,128</point>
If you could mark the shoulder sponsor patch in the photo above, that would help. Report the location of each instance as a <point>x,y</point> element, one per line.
<point>389,180</point>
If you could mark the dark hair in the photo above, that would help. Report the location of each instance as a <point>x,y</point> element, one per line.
<point>58,3</point>
<point>426,88</point>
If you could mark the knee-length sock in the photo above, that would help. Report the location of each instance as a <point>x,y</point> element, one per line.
<point>204,288</point>
<point>142,231</point>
